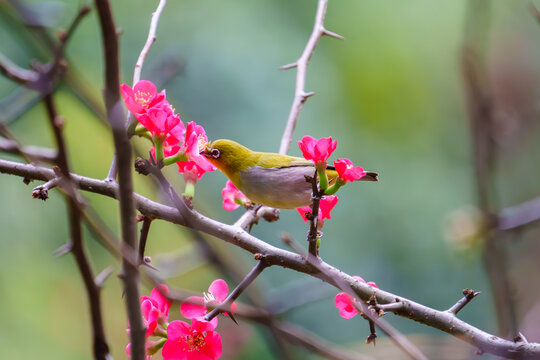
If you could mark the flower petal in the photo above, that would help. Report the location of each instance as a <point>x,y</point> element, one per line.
<point>193,308</point>
<point>212,347</point>
<point>345,305</point>
<point>174,350</point>
<point>177,329</point>
<point>219,289</point>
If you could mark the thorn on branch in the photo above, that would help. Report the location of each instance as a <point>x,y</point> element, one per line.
<point>103,276</point>
<point>289,66</point>
<point>332,34</point>
<point>306,95</point>
<point>64,249</point>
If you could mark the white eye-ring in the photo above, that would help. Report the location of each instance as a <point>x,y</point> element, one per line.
<point>215,153</point>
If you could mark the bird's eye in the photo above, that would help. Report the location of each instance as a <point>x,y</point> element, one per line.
<point>215,153</point>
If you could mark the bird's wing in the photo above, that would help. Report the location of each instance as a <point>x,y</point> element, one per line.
<point>270,160</point>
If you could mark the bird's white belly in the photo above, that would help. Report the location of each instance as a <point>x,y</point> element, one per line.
<point>284,188</point>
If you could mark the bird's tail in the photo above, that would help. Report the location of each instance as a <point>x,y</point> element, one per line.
<point>370,175</point>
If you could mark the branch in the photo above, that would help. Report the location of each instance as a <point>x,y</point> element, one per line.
<point>441,320</point>
<point>468,295</point>
<point>520,215</point>
<point>101,349</point>
<point>249,218</point>
<point>372,317</point>
<point>137,76</point>
<point>123,152</point>
<point>278,329</point>
<point>480,106</point>
<point>16,73</point>
<point>31,152</point>
<point>238,290</point>
<point>300,94</point>
<point>314,220</point>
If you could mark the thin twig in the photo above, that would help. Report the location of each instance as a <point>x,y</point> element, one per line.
<point>16,73</point>
<point>147,221</point>
<point>468,295</point>
<point>515,217</point>
<point>300,94</point>
<point>30,153</point>
<point>111,176</point>
<point>251,217</point>
<point>101,349</point>
<point>441,320</point>
<point>480,104</point>
<point>42,191</point>
<point>238,290</point>
<point>123,149</point>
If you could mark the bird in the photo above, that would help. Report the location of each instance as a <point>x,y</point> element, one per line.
<point>271,179</point>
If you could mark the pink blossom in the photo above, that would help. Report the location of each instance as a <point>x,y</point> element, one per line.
<point>317,150</point>
<point>142,97</point>
<point>195,142</point>
<point>346,303</point>
<point>232,197</point>
<point>192,172</point>
<point>161,122</point>
<point>326,205</point>
<point>155,308</point>
<point>196,306</point>
<point>347,171</point>
<point>175,135</point>
<point>197,341</point>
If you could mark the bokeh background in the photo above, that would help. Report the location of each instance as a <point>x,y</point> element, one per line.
<point>393,96</point>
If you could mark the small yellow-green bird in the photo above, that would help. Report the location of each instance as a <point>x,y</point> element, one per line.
<point>268,178</point>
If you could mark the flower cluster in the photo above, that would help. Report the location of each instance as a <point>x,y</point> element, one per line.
<point>173,141</point>
<point>346,303</point>
<point>179,339</point>
<point>330,179</point>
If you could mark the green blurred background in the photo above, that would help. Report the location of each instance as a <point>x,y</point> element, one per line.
<point>391,94</point>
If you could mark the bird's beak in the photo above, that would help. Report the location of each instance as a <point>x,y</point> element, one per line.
<point>206,150</point>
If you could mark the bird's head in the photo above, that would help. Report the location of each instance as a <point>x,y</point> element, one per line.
<point>228,156</point>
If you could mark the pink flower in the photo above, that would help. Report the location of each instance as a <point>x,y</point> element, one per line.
<point>192,172</point>
<point>161,122</point>
<point>155,311</point>
<point>347,171</point>
<point>196,342</point>
<point>155,308</point>
<point>195,307</point>
<point>232,197</point>
<point>317,150</point>
<point>326,205</point>
<point>142,97</point>
<point>195,142</point>
<point>346,303</point>
<point>176,135</point>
